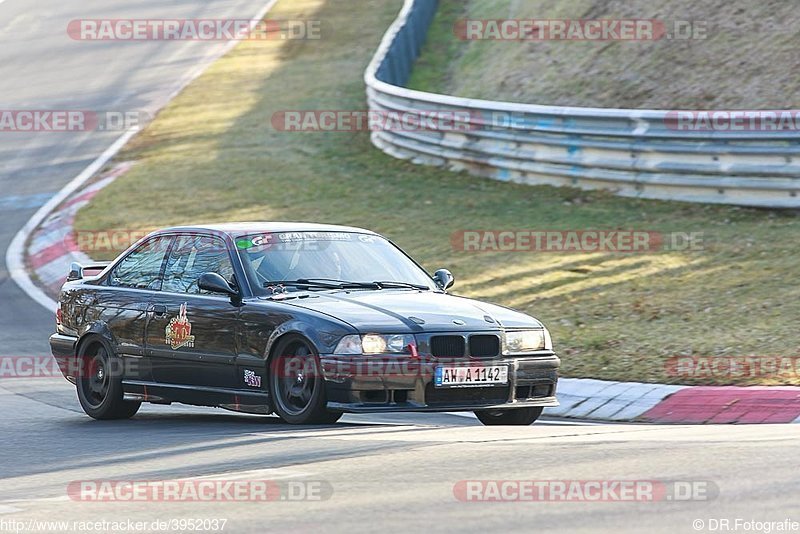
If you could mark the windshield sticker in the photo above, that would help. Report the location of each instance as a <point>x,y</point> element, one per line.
<point>314,236</point>
<point>293,241</point>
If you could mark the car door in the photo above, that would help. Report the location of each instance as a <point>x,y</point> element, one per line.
<point>191,334</point>
<point>129,290</point>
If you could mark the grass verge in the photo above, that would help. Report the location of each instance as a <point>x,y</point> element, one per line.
<point>742,55</point>
<point>212,155</point>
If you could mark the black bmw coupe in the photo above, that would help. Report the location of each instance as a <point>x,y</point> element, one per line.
<point>307,321</point>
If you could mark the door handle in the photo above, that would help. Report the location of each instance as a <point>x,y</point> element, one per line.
<point>159,310</point>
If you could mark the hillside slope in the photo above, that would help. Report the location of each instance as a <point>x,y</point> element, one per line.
<point>748,59</point>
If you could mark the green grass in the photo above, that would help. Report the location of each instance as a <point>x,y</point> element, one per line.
<point>748,59</point>
<point>212,155</point>
<point>433,68</point>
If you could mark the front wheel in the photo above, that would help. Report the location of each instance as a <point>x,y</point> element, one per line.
<point>518,416</point>
<point>99,384</point>
<point>296,384</point>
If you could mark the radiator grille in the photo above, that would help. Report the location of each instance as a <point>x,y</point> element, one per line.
<point>483,346</point>
<point>448,346</point>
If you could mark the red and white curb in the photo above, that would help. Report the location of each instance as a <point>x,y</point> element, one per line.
<point>660,403</point>
<point>52,247</point>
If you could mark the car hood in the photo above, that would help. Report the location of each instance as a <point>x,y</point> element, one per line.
<point>401,311</point>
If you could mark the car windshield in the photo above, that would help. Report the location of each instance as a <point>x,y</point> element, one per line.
<point>327,260</point>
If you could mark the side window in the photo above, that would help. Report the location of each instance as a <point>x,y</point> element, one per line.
<point>191,257</point>
<point>141,269</point>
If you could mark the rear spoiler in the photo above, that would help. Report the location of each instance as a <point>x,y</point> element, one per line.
<point>76,270</point>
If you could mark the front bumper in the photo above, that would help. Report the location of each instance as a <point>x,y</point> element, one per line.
<point>402,384</point>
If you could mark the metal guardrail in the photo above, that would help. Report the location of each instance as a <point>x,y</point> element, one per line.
<point>636,153</point>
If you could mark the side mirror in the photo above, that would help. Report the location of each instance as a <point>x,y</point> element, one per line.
<point>75,272</point>
<point>444,279</point>
<point>214,283</point>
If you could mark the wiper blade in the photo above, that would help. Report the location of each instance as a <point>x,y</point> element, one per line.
<point>392,283</point>
<point>300,283</point>
<point>340,284</point>
<point>325,283</point>
<point>332,283</point>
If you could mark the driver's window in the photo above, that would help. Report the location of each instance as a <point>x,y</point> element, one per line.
<point>141,268</point>
<point>191,257</point>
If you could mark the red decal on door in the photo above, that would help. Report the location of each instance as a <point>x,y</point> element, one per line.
<point>179,331</point>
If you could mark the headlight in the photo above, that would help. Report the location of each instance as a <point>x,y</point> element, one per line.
<point>375,344</point>
<point>349,345</point>
<point>524,341</point>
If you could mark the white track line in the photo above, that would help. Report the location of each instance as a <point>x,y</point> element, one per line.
<point>15,255</point>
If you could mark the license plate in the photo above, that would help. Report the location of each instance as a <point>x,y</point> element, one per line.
<point>470,376</point>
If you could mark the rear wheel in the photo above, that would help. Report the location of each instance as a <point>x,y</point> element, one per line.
<point>518,416</point>
<point>297,387</point>
<point>99,383</point>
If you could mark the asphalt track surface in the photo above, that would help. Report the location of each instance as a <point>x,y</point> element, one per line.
<point>399,472</point>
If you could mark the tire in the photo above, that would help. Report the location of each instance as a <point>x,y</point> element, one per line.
<point>296,385</point>
<point>100,392</point>
<point>517,416</point>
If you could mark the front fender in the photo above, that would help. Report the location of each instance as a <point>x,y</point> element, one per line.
<point>322,334</point>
